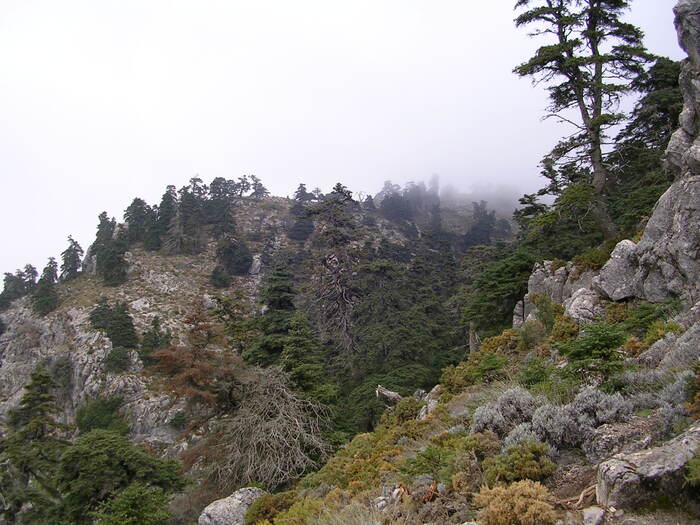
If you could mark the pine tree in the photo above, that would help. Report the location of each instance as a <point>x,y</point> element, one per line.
<point>234,256</point>
<point>45,297</point>
<point>109,251</point>
<point>71,260</point>
<point>301,195</point>
<point>589,67</point>
<point>259,191</point>
<point>30,452</point>
<point>139,217</point>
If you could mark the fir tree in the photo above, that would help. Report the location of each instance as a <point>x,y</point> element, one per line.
<point>259,190</point>
<point>234,255</point>
<point>154,339</point>
<point>45,297</point>
<point>30,452</point>
<point>71,260</point>
<point>589,67</point>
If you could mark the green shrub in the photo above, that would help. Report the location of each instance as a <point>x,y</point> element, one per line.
<point>480,366</point>
<point>116,322</point>
<point>658,330</point>
<point>101,413</point>
<point>596,258</point>
<point>431,461</point>
<point>405,410</point>
<point>534,371</point>
<point>219,278</point>
<point>527,461</point>
<point>179,420</point>
<point>641,317</point>
<point>692,470</point>
<point>118,360</point>
<point>596,351</point>
<point>531,334</point>
<point>270,505</point>
<point>547,310</point>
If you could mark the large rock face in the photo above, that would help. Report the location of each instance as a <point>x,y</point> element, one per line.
<point>231,510</point>
<point>627,480</point>
<point>665,263</point>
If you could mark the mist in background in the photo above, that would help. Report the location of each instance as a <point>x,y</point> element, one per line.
<point>101,102</point>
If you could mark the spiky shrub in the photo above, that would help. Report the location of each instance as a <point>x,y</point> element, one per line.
<point>521,503</point>
<point>526,461</point>
<point>592,408</point>
<point>521,434</point>
<point>513,407</point>
<point>692,470</point>
<point>659,329</point>
<point>556,426</point>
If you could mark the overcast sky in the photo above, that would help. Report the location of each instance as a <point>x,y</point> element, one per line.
<point>102,101</point>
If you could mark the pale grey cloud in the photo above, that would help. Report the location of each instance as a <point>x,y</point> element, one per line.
<point>103,101</point>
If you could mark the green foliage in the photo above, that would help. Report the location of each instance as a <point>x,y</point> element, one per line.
<point>116,322</point>
<point>564,329</point>
<point>693,470</point>
<point>639,319</point>
<point>547,310</point>
<point>268,506</point>
<point>431,461</point>
<point>526,461</point>
<point>480,366</point>
<point>153,339</point>
<point>233,255</point>
<point>71,260</point>
<point>44,296</point>
<point>490,300</point>
<point>30,451</point>
<point>179,420</point>
<point>534,371</point>
<point>101,413</point>
<point>137,504</point>
<point>405,410</point>
<point>219,278</point>
<point>658,330</point>
<point>117,360</point>
<point>109,248</point>
<point>596,351</point>
<point>595,258</point>
<point>102,464</point>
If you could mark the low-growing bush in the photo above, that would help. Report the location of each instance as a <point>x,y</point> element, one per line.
<point>179,420</point>
<point>405,410</point>
<point>556,426</point>
<point>101,413</point>
<point>592,408</point>
<point>692,470</point>
<point>519,462</point>
<point>117,360</point>
<point>268,506</point>
<point>658,330</point>
<point>596,351</point>
<point>521,434</point>
<point>547,310</point>
<point>431,461</point>
<point>532,333</point>
<point>564,329</point>
<point>504,343</point>
<point>521,503</point>
<point>534,371</point>
<point>480,366</point>
<point>513,407</point>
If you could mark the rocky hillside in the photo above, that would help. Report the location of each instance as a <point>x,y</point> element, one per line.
<point>325,360</point>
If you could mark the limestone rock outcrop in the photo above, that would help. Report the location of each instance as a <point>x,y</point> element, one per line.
<point>626,480</point>
<point>231,510</point>
<point>666,261</point>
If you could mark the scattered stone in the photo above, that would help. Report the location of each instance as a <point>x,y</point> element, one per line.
<point>593,516</point>
<point>231,510</point>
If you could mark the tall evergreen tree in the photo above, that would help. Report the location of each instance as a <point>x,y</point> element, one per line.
<point>139,217</point>
<point>71,260</point>
<point>258,189</point>
<point>589,67</point>
<point>30,453</point>
<point>45,297</point>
